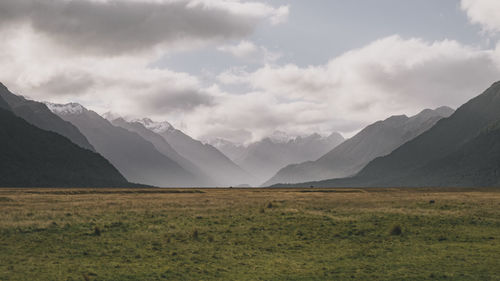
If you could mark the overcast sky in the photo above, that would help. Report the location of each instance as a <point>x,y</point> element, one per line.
<point>241,70</point>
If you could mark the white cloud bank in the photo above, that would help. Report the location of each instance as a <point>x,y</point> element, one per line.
<point>249,52</point>
<point>483,12</point>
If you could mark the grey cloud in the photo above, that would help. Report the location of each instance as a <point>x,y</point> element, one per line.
<point>439,82</point>
<point>69,84</point>
<point>166,101</point>
<point>221,132</point>
<point>115,27</point>
<point>347,126</point>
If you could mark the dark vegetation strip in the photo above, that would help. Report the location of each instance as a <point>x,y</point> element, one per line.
<point>80,192</point>
<point>331,191</point>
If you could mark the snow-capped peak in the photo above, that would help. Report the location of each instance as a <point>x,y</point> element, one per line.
<point>110,116</point>
<point>65,109</point>
<point>220,142</point>
<point>280,137</point>
<point>157,127</point>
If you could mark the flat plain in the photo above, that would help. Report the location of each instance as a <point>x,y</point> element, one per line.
<point>249,234</point>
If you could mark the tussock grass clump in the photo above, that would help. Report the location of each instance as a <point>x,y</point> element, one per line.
<point>195,234</point>
<point>396,230</point>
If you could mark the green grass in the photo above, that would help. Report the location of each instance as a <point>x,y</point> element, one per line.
<point>56,234</point>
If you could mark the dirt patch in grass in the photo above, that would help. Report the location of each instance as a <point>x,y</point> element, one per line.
<point>6,199</point>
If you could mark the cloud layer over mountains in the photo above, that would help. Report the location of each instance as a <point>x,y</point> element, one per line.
<point>389,75</point>
<point>101,54</point>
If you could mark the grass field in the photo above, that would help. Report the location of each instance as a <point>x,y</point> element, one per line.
<point>109,234</point>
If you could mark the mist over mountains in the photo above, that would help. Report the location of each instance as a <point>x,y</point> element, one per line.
<point>137,159</point>
<point>46,144</point>
<point>264,158</point>
<point>199,178</point>
<point>210,160</point>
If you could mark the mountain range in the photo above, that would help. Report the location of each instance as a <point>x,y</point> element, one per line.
<point>208,158</point>
<point>54,145</point>
<point>37,114</point>
<point>264,158</point>
<point>166,149</point>
<point>137,159</point>
<point>33,157</point>
<point>460,151</point>
<point>376,140</point>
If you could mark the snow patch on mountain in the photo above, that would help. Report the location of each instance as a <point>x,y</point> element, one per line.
<point>280,137</point>
<point>157,127</point>
<point>65,109</point>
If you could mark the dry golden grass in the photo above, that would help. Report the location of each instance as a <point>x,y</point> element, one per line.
<point>249,234</point>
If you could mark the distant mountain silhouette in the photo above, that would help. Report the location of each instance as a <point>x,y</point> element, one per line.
<point>210,160</point>
<point>264,158</point>
<point>137,159</point>
<point>199,177</point>
<point>233,151</point>
<point>462,150</point>
<point>39,115</point>
<point>32,157</point>
<point>376,140</point>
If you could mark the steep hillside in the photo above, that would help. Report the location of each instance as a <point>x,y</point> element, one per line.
<point>39,115</point>
<point>210,160</point>
<point>461,150</point>
<point>32,157</point>
<point>475,164</point>
<point>448,138</point>
<point>378,139</point>
<point>137,159</point>
<point>166,149</point>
